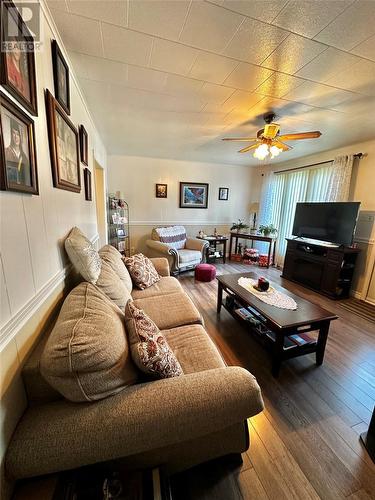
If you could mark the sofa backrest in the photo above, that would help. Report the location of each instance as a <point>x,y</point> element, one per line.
<point>173,236</point>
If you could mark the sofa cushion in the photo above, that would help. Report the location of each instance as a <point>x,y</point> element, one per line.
<point>188,256</point>
<point>171,310</point>
<point>83,255</point>
<point>112,256</point>
<point>112,286</point>
<point>174,236</point>
<point>149,349</point>
<point>164,286</point>
<point>142,270</point>
<point>193,348</point>
<point>87,356</point>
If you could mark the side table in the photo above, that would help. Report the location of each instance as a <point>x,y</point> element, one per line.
<point>215,241</point>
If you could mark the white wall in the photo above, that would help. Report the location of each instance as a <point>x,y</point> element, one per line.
<point>33,228</point>
<point>362,189</point>
<point>137,176</point>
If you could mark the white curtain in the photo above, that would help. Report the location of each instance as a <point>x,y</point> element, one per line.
<point>281,192</point>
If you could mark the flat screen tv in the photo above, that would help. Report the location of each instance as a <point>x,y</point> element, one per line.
<point>330,222</point>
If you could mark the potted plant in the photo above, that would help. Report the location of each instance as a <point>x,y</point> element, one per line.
<point>267,230</point>
<point>239,226</point>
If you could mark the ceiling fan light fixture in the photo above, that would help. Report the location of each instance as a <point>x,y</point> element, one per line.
<point>275,151</point>
<point>261,152</point>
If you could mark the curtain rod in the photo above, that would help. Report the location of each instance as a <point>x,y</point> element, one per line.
<point>357,155</point>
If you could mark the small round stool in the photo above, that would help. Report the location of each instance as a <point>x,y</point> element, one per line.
<point>205,272</point>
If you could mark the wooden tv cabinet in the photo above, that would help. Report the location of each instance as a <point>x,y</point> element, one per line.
<point>324,268</point>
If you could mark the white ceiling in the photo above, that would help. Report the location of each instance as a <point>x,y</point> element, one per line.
<point>171,78</point>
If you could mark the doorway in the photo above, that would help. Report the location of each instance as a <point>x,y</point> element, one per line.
<point>100,203</point>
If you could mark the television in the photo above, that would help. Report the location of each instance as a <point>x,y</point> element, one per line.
<point>332,222</point>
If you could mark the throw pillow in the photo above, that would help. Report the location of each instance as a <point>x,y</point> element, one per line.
<point>113,257</point>
<point>149,349</point>
<point>142,271</point>
<point>83,255</point>
<point>112,286</point>
<point>87,355</point>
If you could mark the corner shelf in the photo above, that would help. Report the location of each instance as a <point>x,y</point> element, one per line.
<point>118,225</point>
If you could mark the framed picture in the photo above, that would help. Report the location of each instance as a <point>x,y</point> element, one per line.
<point>87,181</point>
<point>223,194</point>
<point>115,218</point>
<point>61,78</point>
<point>63,144</point>
<point>193,195</point>
<point>18,169</point>
<point>17,65</point>
<point>83,144</point>
<point>120,232</point>
<point>161,190</point>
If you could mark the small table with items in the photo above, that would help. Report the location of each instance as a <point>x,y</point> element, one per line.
<point>253,237</point>
<point>211,252</point>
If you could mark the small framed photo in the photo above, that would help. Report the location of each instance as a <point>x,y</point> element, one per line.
<point>87,181</point>
<point>120,232</point>
<point>223,194</point>
<point>18,169</point>
<point>121,246</point>
<point>83,144</point>
<point>161,190</point>
<point>63,143</point>
<point>193,195</point>
<point>60,78</point>
<point>17,61</point>
<point>122,220</point>
<point>115,218</point>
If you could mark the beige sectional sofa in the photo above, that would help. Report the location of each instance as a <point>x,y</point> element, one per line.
<point>174,423</point>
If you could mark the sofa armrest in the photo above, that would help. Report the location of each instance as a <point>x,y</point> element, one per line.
<point>140,418</point>
<point>160,247</point>
<point>161,265</point>
<point>196,244</point>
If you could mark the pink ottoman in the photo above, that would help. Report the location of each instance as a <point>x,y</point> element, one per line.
<point>205,272</point>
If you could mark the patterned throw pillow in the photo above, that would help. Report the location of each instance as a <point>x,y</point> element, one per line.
<point>142,271</point>
<point>83,255</point>
<point>149,349</point>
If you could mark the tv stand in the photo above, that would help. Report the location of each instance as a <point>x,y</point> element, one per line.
<point>324,268</point>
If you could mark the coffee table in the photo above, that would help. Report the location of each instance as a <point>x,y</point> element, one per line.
<point>308,317</point>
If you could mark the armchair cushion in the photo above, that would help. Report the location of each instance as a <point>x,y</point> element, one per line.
<point>142,270</point>
<point>189,256</point>
<point>174,236</point>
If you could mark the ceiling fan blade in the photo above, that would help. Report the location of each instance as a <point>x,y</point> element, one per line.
<point>243,139</point>
<point>281,145</point>
<point>302,135</point>
<point>248,148</point>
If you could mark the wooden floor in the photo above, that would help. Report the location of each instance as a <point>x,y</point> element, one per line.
<point>306,442</point>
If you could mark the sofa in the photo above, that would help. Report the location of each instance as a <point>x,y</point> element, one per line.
<point>183,253</point>
<point>174,423</point>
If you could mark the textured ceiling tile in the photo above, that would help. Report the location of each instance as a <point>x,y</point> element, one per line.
<point>162,18</point>
<point>308,17</point>
<point>180,85</point>
<point>146,79</point>
<point>328,64</point>
<point>103,70</point>
<point>212,68</point>
<point>247,77</point>
<point>215,93</point>
<point>278,85</point>
<point>124,45</point>
<point>264,10</point>
<point>242,100</point>
<point>57,5</point>
<point>360,78</point>
<point>254,41</point>
<point>293,53</point>
<point>317,94</point>
<point>209,27</point>
<point>366,48</point>
<point>111,11</point>
<point>172,57</point>
<point>352,27</point>
<point>79,34</point>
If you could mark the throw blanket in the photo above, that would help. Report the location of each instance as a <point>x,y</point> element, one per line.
<point>174,236</point>
<point>272,297</point>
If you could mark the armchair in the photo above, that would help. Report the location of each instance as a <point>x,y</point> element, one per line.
<point>182,252</point>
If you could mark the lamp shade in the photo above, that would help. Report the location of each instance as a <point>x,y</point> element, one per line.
<point>253,207</point>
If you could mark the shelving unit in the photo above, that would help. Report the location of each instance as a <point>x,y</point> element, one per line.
<point>118,224</point>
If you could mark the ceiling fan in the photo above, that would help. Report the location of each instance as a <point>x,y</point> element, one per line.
<point>269,141</point>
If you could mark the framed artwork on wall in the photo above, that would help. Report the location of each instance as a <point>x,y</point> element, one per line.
<point>83,145</point>
<point>17,62</point>
<point>18,168</point>
<point>60,78</point>
<point>223,194</point>
<point>87,181</point>
<point>161,190</point>
<point>193,195</point>
<point>63,144</point>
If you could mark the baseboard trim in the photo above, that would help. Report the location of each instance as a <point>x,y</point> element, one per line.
<point>356,294</point>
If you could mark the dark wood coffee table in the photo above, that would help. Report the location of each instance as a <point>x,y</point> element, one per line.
<point>308,317</point>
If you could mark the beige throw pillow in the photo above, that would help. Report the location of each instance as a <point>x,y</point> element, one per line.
<point>142,271</point>
<point>83,255</point>
<point>149,349</point>
<point>87,356</point>
<point>113,257</point>
<point>112,286</point>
